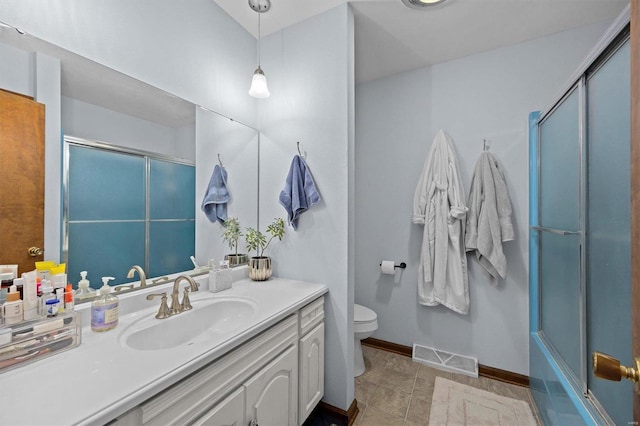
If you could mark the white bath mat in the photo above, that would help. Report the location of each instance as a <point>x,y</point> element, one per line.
<point>456,404</point>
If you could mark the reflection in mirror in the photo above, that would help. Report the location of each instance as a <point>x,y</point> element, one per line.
<point>237,146</point>
<point>124,207</point>
<point>90,101</point>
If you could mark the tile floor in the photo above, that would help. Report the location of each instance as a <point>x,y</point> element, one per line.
<point>397,391</point>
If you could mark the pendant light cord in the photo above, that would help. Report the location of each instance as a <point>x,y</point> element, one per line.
<point>259,13</point>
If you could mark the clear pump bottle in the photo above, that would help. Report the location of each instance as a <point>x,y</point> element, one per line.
<point>84,291</point>
<point>104,309</point>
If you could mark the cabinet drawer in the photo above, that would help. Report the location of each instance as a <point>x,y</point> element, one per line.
<point>311,315</point>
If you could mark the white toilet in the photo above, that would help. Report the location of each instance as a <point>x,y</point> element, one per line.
<point>365,322</point>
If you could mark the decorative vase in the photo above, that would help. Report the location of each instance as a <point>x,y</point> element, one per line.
<point>236,259</point>
<point>260,268</point>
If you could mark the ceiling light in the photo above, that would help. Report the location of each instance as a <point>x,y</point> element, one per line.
<point>421,4</point>
<point>259,87</point>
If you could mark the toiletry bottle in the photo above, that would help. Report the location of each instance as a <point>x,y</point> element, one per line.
<point>84,291</point>
<point>6,281</point>
<point>47,294</point>
<point>51,307</point>
<point>30,295</point>
<point>12,308</point>
<point>104,309</point>
<point>60,296</point>
<point>59,282</point>
<point>68,298</point>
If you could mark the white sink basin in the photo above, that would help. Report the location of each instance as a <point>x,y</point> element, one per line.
<point>210,317</point>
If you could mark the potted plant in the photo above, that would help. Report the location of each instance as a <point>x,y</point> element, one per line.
<point>230,236</point>
<point>260,265</point>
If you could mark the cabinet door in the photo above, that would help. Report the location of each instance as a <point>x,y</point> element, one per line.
<point>311,371</point>
<point>272,394</point>
<point>229,412</point>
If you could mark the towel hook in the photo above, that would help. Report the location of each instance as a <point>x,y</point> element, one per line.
<point>300,153</point>
<point>220,161</point>
<point>485,145</point>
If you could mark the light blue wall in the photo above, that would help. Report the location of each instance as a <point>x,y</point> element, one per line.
<point>92,122</point>
<point>309,68</point>
<point>484,96</point>
<point>16,70</point>
<point>38,75</point>
<point>190,48</point>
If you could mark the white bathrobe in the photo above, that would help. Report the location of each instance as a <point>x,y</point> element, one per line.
<point>489,219</point>
<point>439,205</point>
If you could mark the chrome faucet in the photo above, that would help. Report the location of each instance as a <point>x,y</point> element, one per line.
<point>176,306</point>
<point>143,277</point>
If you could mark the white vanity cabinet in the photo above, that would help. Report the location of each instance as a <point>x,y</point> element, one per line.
<point>270,395</point>
<point>274,379</point>
<point>228,412</point>
<point>311,358</point>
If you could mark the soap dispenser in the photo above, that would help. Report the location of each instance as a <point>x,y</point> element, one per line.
<point>104,309</point>
<point>84,291</point>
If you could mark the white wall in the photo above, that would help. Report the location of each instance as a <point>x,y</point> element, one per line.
<point>92,122</point>
<point>309,68</point>
<point>484,96</point>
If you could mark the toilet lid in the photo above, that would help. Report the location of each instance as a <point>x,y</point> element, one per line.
<point>363,314</point>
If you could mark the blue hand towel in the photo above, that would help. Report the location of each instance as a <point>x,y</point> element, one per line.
<point>214,204</point>
<point>299,192</point>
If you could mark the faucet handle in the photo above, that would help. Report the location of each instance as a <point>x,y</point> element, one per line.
<point>186,303</point>
<point>119,288</point>
<point>160,280</point>
<point>163,312</point>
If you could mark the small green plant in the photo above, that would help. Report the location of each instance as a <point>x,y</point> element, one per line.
<point>232,233</point>
<point>257,241</point>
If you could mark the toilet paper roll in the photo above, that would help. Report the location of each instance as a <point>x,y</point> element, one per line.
<point>388,267</point>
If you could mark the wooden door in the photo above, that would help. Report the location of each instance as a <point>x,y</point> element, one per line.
<point>22,179</point>
<point>635,189</point>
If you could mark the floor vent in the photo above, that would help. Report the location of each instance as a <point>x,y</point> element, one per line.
<point>444,360</point>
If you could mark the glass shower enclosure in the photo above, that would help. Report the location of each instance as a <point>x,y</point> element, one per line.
<point>580,263</point>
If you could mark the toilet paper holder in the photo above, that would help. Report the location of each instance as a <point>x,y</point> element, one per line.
<point>402,265</point>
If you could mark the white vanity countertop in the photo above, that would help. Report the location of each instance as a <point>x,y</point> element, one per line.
<point>102,378</point>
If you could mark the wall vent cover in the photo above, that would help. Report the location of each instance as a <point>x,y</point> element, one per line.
<point>444,360</point>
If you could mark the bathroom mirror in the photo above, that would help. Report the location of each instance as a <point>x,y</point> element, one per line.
<point>100,104</point>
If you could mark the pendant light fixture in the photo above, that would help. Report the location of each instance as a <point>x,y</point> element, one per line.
<point>259,87</point>
<point>421,4</point>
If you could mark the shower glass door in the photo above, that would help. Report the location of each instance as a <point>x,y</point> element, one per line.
<point>581,234</point>
<point>608,263</point>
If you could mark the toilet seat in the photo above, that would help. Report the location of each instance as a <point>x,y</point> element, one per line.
<point>363,314</point>
<point>364,319</point>
<point>365,323</point>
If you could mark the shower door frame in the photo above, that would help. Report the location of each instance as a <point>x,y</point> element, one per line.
<point>586,406</point>
<point>635,187</point>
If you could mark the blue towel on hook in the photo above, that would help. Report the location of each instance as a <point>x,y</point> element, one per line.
<point>214,204</point>
<point>299,192</point>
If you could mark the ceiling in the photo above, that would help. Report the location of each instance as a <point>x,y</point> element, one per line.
<point>408,39</point>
